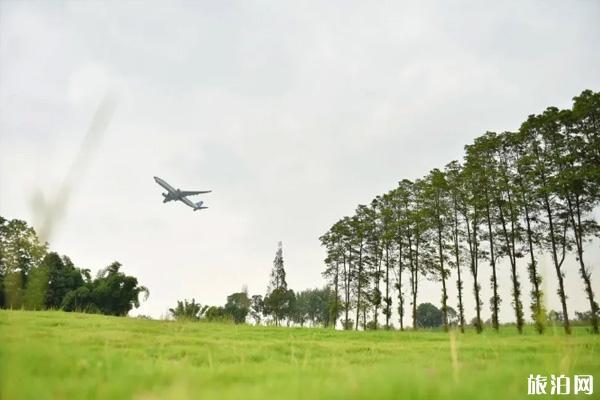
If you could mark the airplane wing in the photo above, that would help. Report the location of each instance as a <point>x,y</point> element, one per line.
<point>183,193</point>
<point>164,184</point>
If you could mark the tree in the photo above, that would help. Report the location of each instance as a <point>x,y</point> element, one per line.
<point>437,209</point>
<point>478,160</point>
<point>358,229</point>
<point>20,251</point>
<point>278,271</point>
<point>453,175</point>
<point>503,182</point>
<point>333,241</point>
<point>278,300</point>
<point>531,208</point>
<point>300,306</point>
<point>257,308</point>
<point>388,234</point>
<point>579,182</point>
<point>314,306</point>
<point>279,304</point>
<point>238,306</point>
<point>217,313</point>
<point>471,212</point>
<point>188,310</point>
<point>542,133</point>
<point>401,200</point>
<point>429,316</point>
<point>115,293</point>
<point>62,277</point>
<point>373,257</point>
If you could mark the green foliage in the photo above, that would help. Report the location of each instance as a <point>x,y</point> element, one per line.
<point>279,303</point>
<point>20,251</point>
<point>315,306</point>
<point>257,307</point>
<point>34,279</point>
<point>279,300</point>
<point>217,314</point>
<point>187,310</point>
<point>429,316</point>
<point>238,306</point>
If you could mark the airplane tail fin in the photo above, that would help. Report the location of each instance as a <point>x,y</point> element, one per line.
<point>199,206</point>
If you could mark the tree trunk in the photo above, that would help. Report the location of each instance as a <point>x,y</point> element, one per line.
<point>473,250</point>
<point>443,276</point>
<point>557,265</point>
<point>346,292</point>
<point>534,277</point>
<point>495,300</point>
<point>400,296</point>
<point>336,286</point>
<point>585,275</point>
<point>510,246</point>
<point>415,282</point>
<point>387,287</point>
<point>358,293</point>
<point>459,283</point>
<point>377,273</point>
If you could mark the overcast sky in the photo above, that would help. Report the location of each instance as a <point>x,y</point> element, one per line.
<point>293,113</point>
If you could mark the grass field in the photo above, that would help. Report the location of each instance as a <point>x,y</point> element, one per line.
<point>77,356</point>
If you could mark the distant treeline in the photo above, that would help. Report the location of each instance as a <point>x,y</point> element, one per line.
<point>514,196</point>
<point>314,307</point>
<point>35,279</point>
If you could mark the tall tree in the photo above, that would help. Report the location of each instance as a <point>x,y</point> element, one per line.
<point>388,232</point>
<point>437,208</point>
<point>471,212</point>
<point>358,233</point>
<point>578,186</point>
<point>332,240</point>
<point>542,133</point>
<point>531,208</point>
<point>279,299</point>
<point>477,159</point>
<point>453,175</point>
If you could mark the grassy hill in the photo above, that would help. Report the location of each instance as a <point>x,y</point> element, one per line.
<point>78,356</point>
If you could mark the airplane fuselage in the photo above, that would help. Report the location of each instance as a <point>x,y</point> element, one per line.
<point>173,194</point>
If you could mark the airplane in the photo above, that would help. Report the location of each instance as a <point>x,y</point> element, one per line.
<point>181,195</point>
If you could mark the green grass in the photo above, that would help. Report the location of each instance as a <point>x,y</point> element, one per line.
<point>77,356</point>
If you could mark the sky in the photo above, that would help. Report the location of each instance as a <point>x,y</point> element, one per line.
<point>293,113</point>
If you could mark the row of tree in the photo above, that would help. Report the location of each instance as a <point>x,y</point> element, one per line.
<point>35,279</point>
<point>514,196</point>
<point>280,304</point>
